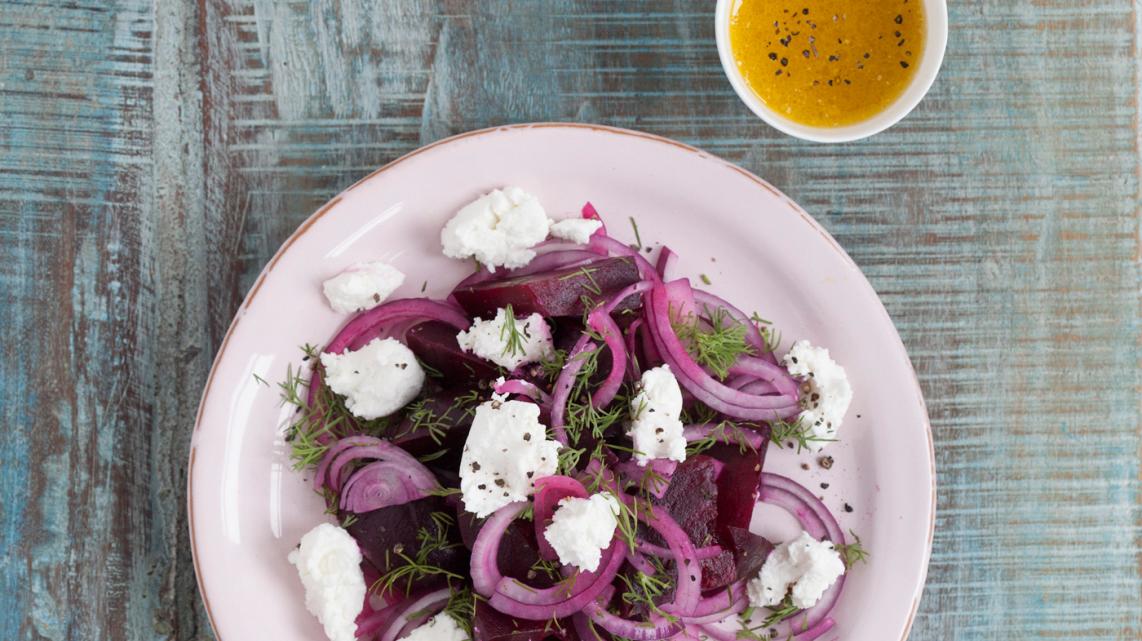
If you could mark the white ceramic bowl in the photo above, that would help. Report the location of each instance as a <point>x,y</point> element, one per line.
<point>936,19</point>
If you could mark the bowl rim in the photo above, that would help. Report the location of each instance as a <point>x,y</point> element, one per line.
<point>936,42</point>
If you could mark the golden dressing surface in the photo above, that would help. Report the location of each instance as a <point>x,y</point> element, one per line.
<point>827,63</point>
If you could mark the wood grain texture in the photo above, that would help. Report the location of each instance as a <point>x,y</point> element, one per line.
<point>153,155</point>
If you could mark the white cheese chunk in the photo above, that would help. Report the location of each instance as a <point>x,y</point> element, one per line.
<point>376,380</point>
<point>825,391</point>
<point>656,409</point>
<point>581,529</point>
<point>361,287</point>
<point>808,565</point>
<point>441,627</point>
<point>528,340</point>
<point>576,230</point>
<point>329,564</point>
<point>499,229</point>
<point>506,452</point>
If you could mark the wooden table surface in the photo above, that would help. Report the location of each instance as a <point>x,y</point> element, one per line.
<point>153,155</point>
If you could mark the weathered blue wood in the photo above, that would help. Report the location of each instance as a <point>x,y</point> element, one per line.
<point>154,155</point>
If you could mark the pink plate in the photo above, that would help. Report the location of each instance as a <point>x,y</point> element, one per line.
<point>248,508</point>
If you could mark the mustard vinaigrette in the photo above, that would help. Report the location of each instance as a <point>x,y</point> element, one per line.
<point>827,63</point>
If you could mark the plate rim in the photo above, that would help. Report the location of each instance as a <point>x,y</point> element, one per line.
<point>488,131</point>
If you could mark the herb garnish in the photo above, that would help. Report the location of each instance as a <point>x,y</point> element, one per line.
<point>723,432</point>
<point>415,568</point>
<point>319,425</point>
<point>637,237</point>
<point>647,589</point>
<point>511,336</point>
<point>852,553</point>
<point>784,432</point>
<point>717,346</point>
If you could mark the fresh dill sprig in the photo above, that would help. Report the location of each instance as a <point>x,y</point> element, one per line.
<point>511,336</point>
<point>554,365</point>
<point>317,425</point>
<point>852,553</point>
<point>431,371</point>
<point>723,432</point>
<point>784,433</point>
<point>627,518</point>
<point>445,491</point>
<point>647,589</point>
<point>261,380</point>
<point>569,460</point>
<point>350,519</point>
<point>462,608</point>
<point>422,415</point>
<point>651,482</point>
<point>780,612</point>
<point>417,567</point>
<point>588,274</point>
<point>699,412</point>
<point>718,346</point>
<point>770,336</point>
<point>431,456</point>
<point>549,569</point>
<point>583,418</point>
<point>637,237</point>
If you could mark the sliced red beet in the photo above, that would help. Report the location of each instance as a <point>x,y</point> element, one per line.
<point>384,532</point>
<point>434,343</point>
<point>750,551</point>
<point>738,484</point>
<point>554,293</point>
<point>491,625</point>
<point>439,421</point>
<point>518,551</point>
<point>692,501</point>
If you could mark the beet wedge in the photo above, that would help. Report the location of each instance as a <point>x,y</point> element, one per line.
<point>386,534</point>
<point>555,293</point>
<point>434,343</point>
<point>692,501</point>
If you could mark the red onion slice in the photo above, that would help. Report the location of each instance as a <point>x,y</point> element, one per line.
<point>522,388</point>
<point>602,323</point>
<point>564,384</point>
<point>667,260</point>
<point>563,599</point>
<point>386,483</point>
<point>486,548</point>
<point>753,334</point>
<point>705,388</point>
<point>614,247</point>
<point>654,628</point>
<point>766,371</point>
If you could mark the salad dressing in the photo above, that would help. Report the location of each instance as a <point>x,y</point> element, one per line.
<point>827,63</point>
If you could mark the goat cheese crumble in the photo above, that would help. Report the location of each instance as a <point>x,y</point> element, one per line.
<point>808,565</point>
<point>362,287</point>
<point>825,391</point>
<point>499,229</point>
<point>506,342</point>
<point>376,380</point>
<point>576,230</point>
<point>582,528</point>
<point>441,627</point>
<point>656,428</point>
<point>506,452</point>
<point>329,564</point>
